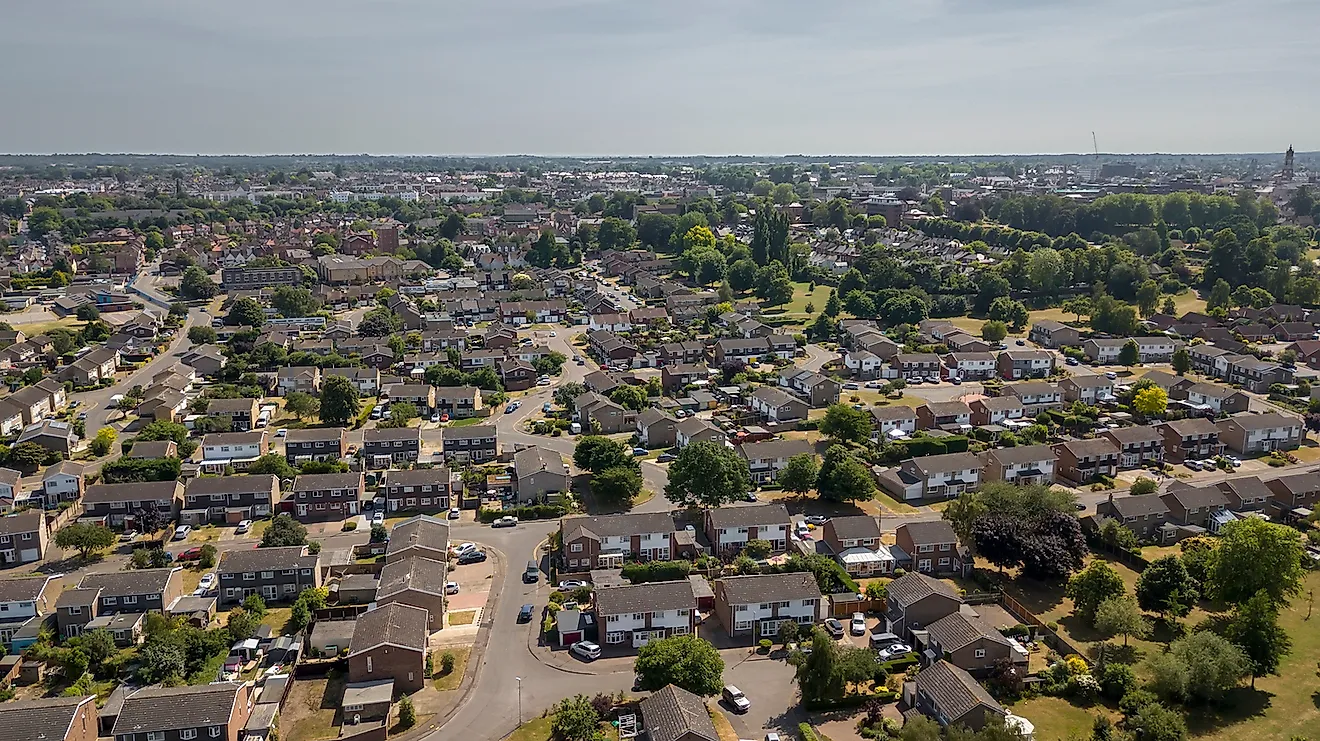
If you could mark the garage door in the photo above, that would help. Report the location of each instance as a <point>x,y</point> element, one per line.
<point>30,554</point>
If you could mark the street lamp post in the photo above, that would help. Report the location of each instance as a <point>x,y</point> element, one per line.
<point>519,700</point>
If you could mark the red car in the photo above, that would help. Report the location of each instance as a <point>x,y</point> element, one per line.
<point>191,554</point>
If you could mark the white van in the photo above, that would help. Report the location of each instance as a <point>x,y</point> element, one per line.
<point>575,429</point>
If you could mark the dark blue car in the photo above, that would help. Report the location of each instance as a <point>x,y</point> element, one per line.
<point>525,614</point>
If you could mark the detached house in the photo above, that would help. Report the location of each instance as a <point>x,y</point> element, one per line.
<point>970,643</point>
<point>914,601</point>
<point>755,606</point>
<point>729,528</point>
<point>1254,434</point>
<point>932,476</point>
<point>636,614</point>
<point>306,379</point>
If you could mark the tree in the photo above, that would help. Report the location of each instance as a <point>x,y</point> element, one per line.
<point>1166,588</point>
<point>1077,306</point>
<point>1220,295</point>
<point>292,301</point>
<point>246,312</point>
<point>1199,668</point>
<point>200,335</point>
<point>339,401</point>
<point>1150,401</point>
<point>685,661</point>
<point>407,713</point>
<point>402,412</point>
<point>832,305</point>
<point>596,453</point>
<point>1092,586</point>
<point>619,484</point>
<point>1148,297</point>
<point>615,234</point>
<point>844,478</point>
<point>1255,629</point>
<point>997,539</point>
<point>1129,354</point>
<point>1120,616</point>
<point>742,275</point>
<point>799,473</point>
<point>197,285</point>
<point>629,397</point>
<point>707,474</point>
<point>1255,555</point>
<point>302,404</point>
<point>85,538</point>
<point>1182,361</point>
<point>27,455</point>
<point>254,604</point>
<point>1158,723</point>
<point>379,322</point>
<point>844,424</point>
<point>567,392</point>
<point>88,313</point>
<point>105,438</point>
<point>1013,313</point>
<point>1143,485</point>
<point>275,464</point>
<point>283,531</point>
<point>920,728</point>
<point>819,676</point>
<point>575,719</point>
<point>994,331</point>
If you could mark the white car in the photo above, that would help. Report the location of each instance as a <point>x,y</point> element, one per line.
<point>894,651</point>
<point>206,584</point>
<point>181,532</point>
<point>451,587</point>
<point>378,518</point>
<point>464,548</point>
<point>570,585</point>
<point>506,521</point>
<point>128,536</point>
<point>243,527</point>
<point>858,625</point>
<point>587,650</point>
<point>435,417</point>
<point>1111,375</point>
<point>281,432</point>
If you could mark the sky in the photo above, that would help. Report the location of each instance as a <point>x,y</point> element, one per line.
<point>660,77</point>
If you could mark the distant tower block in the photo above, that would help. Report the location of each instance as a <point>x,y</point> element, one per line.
<point>1288,163</point>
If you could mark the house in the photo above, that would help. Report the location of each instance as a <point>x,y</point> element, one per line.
<point>1294,497</point>
<point>1256,375</point>
<point>474,443</point>
<point>755,606</point>
<point>539,475</point>
<point>915,600</point>
<point>317,497</point>
<point>1090,390</point>
<point>420,536</point>
<point>1014,365</point>
<point>968,642</point>
<point>137,590</point>
<point>1036,396</point>
<point>421,489</point>
<point>228,499</point>
<point>1192,438</point>
<point>126,628</point>
<point>382,448</point>
<point>1052,334</point>
<point>996,410</point>
<point>679,375</point>
<point>418,582</point>
<point>864,365</point>
<point>776,405</point>
<point>1138,446</point>
<point>1144,514</point>
<point>961,342</point>
<point>694,429</point>
<point>655,429</point>
<point>207,360</point>
<point>675,353</point>
<point>1023,464</point>
<point>969,366</point>
<point>236,450</point>
<point>240,413</point>
<point>952,697</point>
<point>206,711</point>
<point>1149,349</point>
<point>855,542</point>
<point>1216,398</point>
<point>306,379</point>
<point>57,437</point>
<point>931,548</point>
<point>154,449</point>
<point>1194,505</point>
<point>892,422</point>
<point>94,367</point>
<point>365,380</point>
<point>593,410</point>
<point>1246,494</point>
<point>674,714</point>
<point>767,458</point>
<point>24,602</point>
<point>367,701</point>
<point>604,541</point>
<point>117,504</point>
<point>420,395</point>
<point>729,528</point>
<point>954,415</point>
<point>819,390</point>
<point>51,719</point>
<point>1210,360</point>
<point>1255,434</point>
<point>315,444</point>
<point>390,642</point>
<point>1081,461</point>
<point>277,574</point>
<point>932,476</point>
<point>915,365</point>
<point>62,482</point>
<point>636,614</point>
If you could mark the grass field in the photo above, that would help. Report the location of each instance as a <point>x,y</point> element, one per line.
<point>450,681</point>
<point>462,617</point>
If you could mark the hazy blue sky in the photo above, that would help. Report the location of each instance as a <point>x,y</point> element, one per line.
<point>659,76</point>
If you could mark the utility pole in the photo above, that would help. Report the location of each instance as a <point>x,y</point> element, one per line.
<point>520,720</point>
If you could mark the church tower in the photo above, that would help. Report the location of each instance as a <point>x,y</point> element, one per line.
<point>1288,163</point>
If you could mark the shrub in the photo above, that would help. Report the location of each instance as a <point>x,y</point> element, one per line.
<point>764,645</point>
<point>530,512</point>
<point>407,713</point>
<point>652,571</point>
<point>447,662</point>
<point>350,525</point>
<point>1116,680</point>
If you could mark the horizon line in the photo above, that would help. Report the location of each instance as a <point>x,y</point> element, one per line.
<point>646,156</point>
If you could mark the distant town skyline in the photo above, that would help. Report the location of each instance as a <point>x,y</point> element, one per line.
<point>618,78</point>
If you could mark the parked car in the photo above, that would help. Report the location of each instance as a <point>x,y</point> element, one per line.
<point>190,554</point>
<point>933,380</point>
<point>181,532</point>
<point>206,584</point>
<point>464,548</point>
<point>525,613</point>
<point>378,518</point>
<point>834,627</point>
<point>243,527</point>
<point>451,587</point>
<point>894,651</point>
<point>128,536</point>
<point>506,521</point>
<point>543,382</point>
<point>510,409</point>
<point>435,418</point>
<point>1192,464</point>
<point>640,452</point>
<point>816,520</point>
<point>454,513</point>
<point>883,640</point>
<point>1070,361</point>
<point>570,584</point>
<point>281,432</point>
<point>857,626</point>
<point>473,557</point>
<point>736,699</point>
<point>851,386</point>
<point>1111,375</point>
<point>587,650</point>
<point>666,458</point>
<point>547,407</point>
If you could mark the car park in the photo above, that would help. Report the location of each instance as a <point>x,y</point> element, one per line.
<point>587,650</point>
<point>243,527</point>
<point>857,626</point>
<point>525,613</point>
<point>505,521</point>
<point>182,532</point>
<point>834,627</point>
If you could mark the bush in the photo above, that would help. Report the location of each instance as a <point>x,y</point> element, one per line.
<point>350,525</point>
<point>530,512</point>
<point>764,645</point>
<point>1116,680</point>
<point>652,571</point>
<point>407,713</point>
<point>807,732</point>
<point>207,559</point>
<point>447,662</point>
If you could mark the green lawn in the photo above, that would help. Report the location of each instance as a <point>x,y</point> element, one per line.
<point>1056,718</point>
<point>450,681</point>
<point>466,422</point>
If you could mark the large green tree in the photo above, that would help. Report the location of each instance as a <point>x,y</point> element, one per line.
<point>86,538</point>
<point>1164,587</point>
<point>799,473</point>
<point>1092,586</point>
<point>246,312</point>
<point>707,474</point>
<point>844,424</point>
<point>1254,628</point>
<point>196,284</point>
<point>340,403</point>
<point>843,477</point>
<point>1253,556</point>
<point>685,661</point>
<point>597,453</point>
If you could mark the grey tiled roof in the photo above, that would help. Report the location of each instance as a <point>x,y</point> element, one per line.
<point>611,525</point>
<point>650,597</point>
<point>958,630</point>
<point>267,559</point>
<point>855,527</point>
<point>395,624</point>
<point>420,574</point>
<point>954,691</point>
<point>746,590</point>
<point>674,713</point>
<point>47,718</point>
<point>421,531</point>
<point>170,708</point>
<point>763,514</point>
<point>913,587</point>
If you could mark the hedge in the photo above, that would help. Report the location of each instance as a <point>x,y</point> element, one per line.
<point>850,701</point>
<point>807,732</point>
<point>530,512</point>
<point>653,571</point>
<point>923,446</point>
<point>894,665</point>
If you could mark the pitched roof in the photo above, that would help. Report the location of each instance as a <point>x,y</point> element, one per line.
<point>254,484</point>
<point>29,521</point>
<point>600,526</point>
<point>1135,434</point>
<point>25,589</point>
<point>1139,505</point>
<point>757,588</point>
<point>471,432</point>
<point>536,459</point>
<point>958,630</point>
<point>1192,426</point>
<point>171,708</point>
<point>760,514</point>
<point>1193,497</point>
<point>396,624</point>
<point>1022,454</point>
<point>136,581</point>
<point>649,597</point>
<point>421,531</point>
<point>47,718</point>
<point>267,559</point>
<point>775,449</point>
<point>954,691</point>
<point>913,587</point>
<point>674,713</point>
<point>417,476</point>
<point>314,434</point>
<point>419,574</point>
<point>855,527</point>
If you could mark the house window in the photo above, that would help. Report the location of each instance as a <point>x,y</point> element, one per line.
<point>680,630</point>
<point>215,731</point>
<point>188,733</point>
<point>75,610</point>
<point>130,599</point>
<point>980,653</point>
<point>369,669</point>
<point>250,576</point>
<point>614,637</point>
<point>575,548</point>
<point>155,736</point>
<point>268,575</point>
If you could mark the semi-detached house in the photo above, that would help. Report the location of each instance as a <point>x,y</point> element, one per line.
<point>729,528</point>
<point>766,459</point>
<point>1023,464</point>
<point>636,614</point>
<point>755,606</point>
<point>1082,460</point>
<point>318,497</point>
<point>892,422</point>
<point>229,499</point>
<point>605,541</point>
<point>933,476</point>
<point>115,504</point>
<point>775,405</point>
<point>1139,445</point>
<point>1254,434</point>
